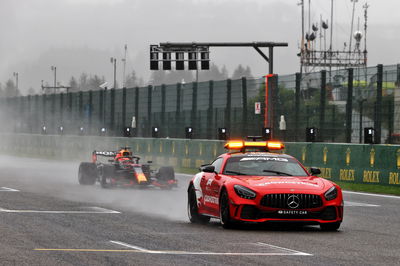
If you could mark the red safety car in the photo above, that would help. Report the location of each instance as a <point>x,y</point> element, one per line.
<point>124,170</point>
<point>255,183</point>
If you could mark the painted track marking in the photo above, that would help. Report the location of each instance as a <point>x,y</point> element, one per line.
<point>284,251</point>
<point>92,210</point>
<point>7,189</point>
<point>359,204</point>
<point>372,195</point>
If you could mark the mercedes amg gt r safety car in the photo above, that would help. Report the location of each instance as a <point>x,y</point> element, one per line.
<point>255,183</point>
<point>124,170</point>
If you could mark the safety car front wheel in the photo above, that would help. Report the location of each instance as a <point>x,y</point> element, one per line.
<point>224,211</point>
<point>330,226</point>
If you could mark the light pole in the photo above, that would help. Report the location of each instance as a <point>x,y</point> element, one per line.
<point>113,60</point>
<point>53,68</point>
<point>123,74</point>
<point>15,74</point>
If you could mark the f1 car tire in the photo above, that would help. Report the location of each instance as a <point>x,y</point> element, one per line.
<point>224,211</point>
<point>166,173</point>
<point>192,209</point>
<point>108,171</point>
<point>330,226</point>
<point>87,174</point>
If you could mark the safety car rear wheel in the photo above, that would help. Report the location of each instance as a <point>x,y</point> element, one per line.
<point>193,211</point>
<point>330,226</point>
<point>87,173</point>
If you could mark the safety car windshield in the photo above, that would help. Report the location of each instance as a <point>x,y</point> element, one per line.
<point>267,165</point>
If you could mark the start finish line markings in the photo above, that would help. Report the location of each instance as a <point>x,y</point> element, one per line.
<point>7,189</point>
<point>90,210</point>
<point>271,251</point>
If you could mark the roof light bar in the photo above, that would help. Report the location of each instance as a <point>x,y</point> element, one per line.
<point>241,145</point>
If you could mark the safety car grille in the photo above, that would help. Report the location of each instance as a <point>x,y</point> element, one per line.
<point>291,201</point>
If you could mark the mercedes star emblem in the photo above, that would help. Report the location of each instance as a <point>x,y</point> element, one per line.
<point>293,202</point>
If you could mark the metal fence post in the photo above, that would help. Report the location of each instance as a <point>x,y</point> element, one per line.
<point>112,111</point>
<point>178,109</point>
<point>149,99</point>
<point>90,103</point>
<point>322,105</point>
<point>44,117</point>
<point>349,105</point>
<point>101,109</point>
<point>210,109</point>
<point>193,118</point>
<point>62,108</point>
<point>244,107</point>
<point>164,131</point>
<point>378,109</point>
<point>137,111</point>
<point>123,119</point>
<point>53,112</point>
<point>28,118</point>
<point>390,121</point>
<point>297,107</point>
<point>37,114</point>
<point>228,108</point>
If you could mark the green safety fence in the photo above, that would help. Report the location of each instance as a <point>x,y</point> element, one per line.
<point>353,163</point>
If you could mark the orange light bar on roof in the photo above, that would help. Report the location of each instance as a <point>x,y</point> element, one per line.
<point>234,145</point>
<point>239,145</point>
<point>255,144</point>
<point>275,145</point>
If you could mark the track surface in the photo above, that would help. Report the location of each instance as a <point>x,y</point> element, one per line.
<point>52,220</point>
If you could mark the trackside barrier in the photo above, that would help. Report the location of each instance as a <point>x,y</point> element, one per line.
<point>353,163</point>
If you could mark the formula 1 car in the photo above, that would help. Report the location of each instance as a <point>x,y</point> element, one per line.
<point>255,183</point>
<point>124,170</point>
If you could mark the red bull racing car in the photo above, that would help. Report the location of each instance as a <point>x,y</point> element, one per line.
<point>124,170</point>
<point>255,183</point>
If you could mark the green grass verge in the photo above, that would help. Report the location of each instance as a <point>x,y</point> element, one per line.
<point>380,189</point>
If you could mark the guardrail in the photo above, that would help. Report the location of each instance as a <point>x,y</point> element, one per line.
<point>354,163</point>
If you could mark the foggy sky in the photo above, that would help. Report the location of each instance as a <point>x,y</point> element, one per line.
<point>81,35</point>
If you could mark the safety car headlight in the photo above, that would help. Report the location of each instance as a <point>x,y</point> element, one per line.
<point>244,192</point>
<point>331,193</point>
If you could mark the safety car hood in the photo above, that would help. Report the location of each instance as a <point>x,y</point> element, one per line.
<point>291,183</point>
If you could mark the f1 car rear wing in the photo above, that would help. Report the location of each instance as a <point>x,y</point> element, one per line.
<point>112,154</point>
<point>105,153</point>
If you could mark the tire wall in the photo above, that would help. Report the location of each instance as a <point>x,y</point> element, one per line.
<point>354,163</point>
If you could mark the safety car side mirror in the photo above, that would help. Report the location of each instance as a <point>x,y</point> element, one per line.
<point>315,171</point>
<point>208,168</point>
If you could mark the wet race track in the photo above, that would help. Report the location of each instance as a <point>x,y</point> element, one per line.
<point>47,218</point>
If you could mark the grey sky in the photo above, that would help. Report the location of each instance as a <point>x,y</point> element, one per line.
<point>33,32</point>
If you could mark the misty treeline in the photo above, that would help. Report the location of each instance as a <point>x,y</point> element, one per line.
<point>9,89</point>
<point>86,82</point>
<point>214,73</point>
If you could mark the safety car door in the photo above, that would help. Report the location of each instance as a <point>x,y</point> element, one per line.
<point>210,187</point>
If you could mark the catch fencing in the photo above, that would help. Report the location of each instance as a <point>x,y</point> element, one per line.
<point>339,104</point>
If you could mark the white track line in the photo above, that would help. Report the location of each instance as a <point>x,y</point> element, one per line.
<point>359,204</point>
<point>94,210</point>
<point>177,252</point>
<point>130,246</point>
<point>292,251</point>
<point>372,195</point>
<point>3,189</point>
